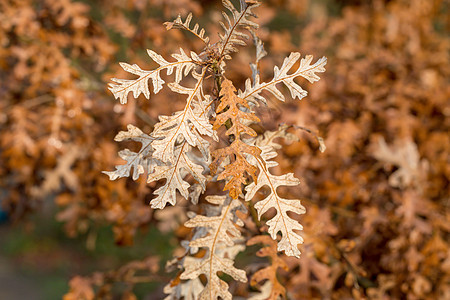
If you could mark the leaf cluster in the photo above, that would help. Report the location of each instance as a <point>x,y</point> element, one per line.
<point>376,225</point>
<point>171,150</point>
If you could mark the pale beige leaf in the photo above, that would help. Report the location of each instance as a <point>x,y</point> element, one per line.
<point>281,222</point>
<point>61,173</point>
<point>170,218</point>
<point>405,155</point>
<point>141,162</point>
<point>182,66</point>
<point>253,90</point>
<point>233,36</point>
<point>219,242</point>
<point>174,175</point>
<point>183,125</point>
<point>260,53</point>
<point>188,290</point>
<point>178,23</point>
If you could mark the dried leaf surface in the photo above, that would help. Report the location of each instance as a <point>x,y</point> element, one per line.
<point>233,113</point>
<point>405,156</point>
<point>253,90</point>
<point>62,172</point>
<point>141,162</point>
<point>281,222</point>
<point>233,36</point>
<point>269,273</point>
<point>187,124</point>
<point>188,290</point>
<point>165,154</point>
<point>174,175</point>
<point>182,67</point>
<point>220,245</point>
<point>178,23</point>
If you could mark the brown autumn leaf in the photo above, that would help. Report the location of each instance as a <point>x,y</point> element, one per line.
<point>232,115</point>
<point>80,289</point>
<point>269,273</point>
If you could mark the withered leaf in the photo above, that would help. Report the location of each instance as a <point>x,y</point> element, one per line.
<point>178,23</point>
<point>253,90</point>
<point>182,67</point>
<point>232,36</point>
<point>185,125</point>
<point>282,222</point>
<point>231,109</point>
<point>174,175</point>
<point>141,162</point>
<point>220,245</point>
<point>405,155</point>
<point>269,273</point>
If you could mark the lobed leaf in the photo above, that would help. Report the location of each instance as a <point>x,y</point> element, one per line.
<point>188,290</point>
<point>185,125</point>
<point>232,36</point>
<point>141,162</point>
<point>178,23</point>
<point>253,90</point>
<point>220,243</point>
<point>269,273</point>
<point>231,109</point>
<point>122,87</point>
<point>174,175</point>
<point>281,222</point>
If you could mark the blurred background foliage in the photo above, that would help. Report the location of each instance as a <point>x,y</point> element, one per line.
<point>377,222</point>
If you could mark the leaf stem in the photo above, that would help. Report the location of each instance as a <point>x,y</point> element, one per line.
<point>254,214</point>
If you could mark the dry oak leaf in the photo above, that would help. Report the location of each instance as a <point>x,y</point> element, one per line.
<point>186,125</point>
<point>281,222</point>
<point>174,175</point>
<point>141,161</point>
<point>253,90</point>
<point>231,109</point>
<point>404,155</point>
<point>269,273</point>
<point>233,36</point>
<point>188,290</point>
<point>309,275</point>
<point>63,171</point>
<point>182,67</point>
<point>178,23</point>
<point>220,243</point>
